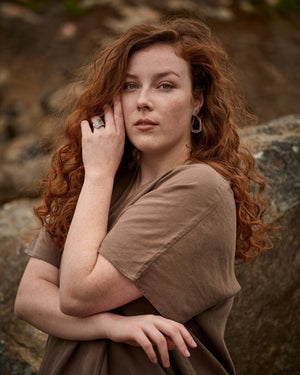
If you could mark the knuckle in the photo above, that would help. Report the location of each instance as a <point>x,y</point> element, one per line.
<point>161,340</point>
<point>179,326</point>
<point>174,330</point>
<point>148,346</point>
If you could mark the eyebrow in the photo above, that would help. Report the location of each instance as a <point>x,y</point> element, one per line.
<point>156,76</point>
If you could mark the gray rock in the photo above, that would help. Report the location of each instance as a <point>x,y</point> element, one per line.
<point>21,345</point>
<point>21,179</point>
<point>263,328</point>
<point>276,147</point>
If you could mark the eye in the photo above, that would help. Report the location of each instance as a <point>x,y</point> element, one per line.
<point>130,86</point>
<point>166,86</point>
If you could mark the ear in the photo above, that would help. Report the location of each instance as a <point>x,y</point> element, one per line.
<point>198,102</point>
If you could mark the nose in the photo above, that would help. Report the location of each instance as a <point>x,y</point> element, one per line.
<point>144,100</point>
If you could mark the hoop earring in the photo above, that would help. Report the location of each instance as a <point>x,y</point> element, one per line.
<point>196,125</point>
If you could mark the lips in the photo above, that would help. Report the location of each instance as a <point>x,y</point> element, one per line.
<point>144,121</point>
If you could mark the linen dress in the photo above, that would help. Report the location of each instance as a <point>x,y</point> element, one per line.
<point>175,239</point>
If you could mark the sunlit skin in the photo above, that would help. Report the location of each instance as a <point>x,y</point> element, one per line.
<point>158,104</point>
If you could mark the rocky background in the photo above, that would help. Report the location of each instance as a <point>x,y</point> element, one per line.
<point>43,43</point>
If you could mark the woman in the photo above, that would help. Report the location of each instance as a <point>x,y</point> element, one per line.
<point>144,213</point>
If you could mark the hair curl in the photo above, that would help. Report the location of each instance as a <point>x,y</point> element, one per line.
<point>222,113</point>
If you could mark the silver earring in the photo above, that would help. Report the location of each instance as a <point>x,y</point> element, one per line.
<point>196,125</point>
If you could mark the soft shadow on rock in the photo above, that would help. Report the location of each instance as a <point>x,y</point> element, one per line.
<point>263,327</point>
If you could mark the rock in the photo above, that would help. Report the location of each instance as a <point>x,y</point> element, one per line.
<point>276,147</point>
<point>132,15</point>
<point>263,328</point>
<point>21,179</point>
<point>55,101</point>
<point>4,76</point>
<point>16,12</point>
<point>21,345</point>
<point>246,6</point>
<point>24,147</point>
<point>3,129</point>
<point>19,118</point>
<point>25,160</point>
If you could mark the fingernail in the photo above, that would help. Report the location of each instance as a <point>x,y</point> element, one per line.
<point>194,344</point>
<point>167,364</point>
<point>187,353</point>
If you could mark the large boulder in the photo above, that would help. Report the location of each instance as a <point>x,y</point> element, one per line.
<point>21,346</point>
<point>263,328</point>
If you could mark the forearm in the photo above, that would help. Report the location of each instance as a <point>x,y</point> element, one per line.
<point>41,309</point>
<point>102,151</point>
<point>87,231</point>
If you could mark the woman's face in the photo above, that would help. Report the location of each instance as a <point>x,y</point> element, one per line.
<point>157,101</point>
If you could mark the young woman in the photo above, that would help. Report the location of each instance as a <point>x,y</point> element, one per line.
<point>146,206</point>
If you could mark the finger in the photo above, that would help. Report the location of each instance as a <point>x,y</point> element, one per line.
<point>160,341</point>
<point>188,338</point>
<point>170,344</point>
<point>109,117</point>
<point>85,128</point>
<point>179,343</point>
<point>178,333</point>
<point>170,327</point>
<point>147,346</point>
<point>118,112</point>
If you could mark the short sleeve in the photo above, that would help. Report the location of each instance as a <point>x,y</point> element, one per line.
<point>43,248</point>
<point>177,242</point>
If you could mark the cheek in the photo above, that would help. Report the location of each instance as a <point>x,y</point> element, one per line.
<point>125,107</point>
<point>181,108</point>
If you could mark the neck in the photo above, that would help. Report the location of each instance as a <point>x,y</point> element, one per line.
<point>152,166</point>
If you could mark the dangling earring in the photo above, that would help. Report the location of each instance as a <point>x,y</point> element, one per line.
<point>196,125</point>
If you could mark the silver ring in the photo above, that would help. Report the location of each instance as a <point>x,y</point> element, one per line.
<point>98,123</point>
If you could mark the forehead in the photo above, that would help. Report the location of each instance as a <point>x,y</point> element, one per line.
<point>157,57</point>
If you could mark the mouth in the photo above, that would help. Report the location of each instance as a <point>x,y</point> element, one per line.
<point>144,122</point>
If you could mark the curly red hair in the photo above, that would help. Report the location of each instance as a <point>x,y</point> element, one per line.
<point>222,113</point>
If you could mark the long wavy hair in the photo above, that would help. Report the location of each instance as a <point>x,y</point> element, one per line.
<point>218,145</point>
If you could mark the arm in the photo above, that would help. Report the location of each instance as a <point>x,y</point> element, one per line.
<point>37,302</point>
<point>88,283</point>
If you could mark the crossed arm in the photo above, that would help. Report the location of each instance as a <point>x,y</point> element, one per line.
<point>75,303</point>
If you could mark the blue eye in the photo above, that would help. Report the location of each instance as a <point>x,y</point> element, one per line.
<point>130,86</point>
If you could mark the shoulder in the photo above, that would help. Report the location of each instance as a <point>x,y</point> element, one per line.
<point>199,178</point>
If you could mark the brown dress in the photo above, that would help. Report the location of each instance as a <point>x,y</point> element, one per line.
<point>175,239</point>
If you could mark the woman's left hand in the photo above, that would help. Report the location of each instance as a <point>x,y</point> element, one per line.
<point>102,148</point>
<point>148,331</point>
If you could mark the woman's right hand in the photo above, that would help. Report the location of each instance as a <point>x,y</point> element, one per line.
<point>102,149</point>
<point>148,331</point>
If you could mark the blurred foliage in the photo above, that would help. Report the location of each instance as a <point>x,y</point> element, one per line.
<point>72,8</point>
<point>261,8</point>
<point>287,6</point>
<point>282,6</point>
<point>36,5</point>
